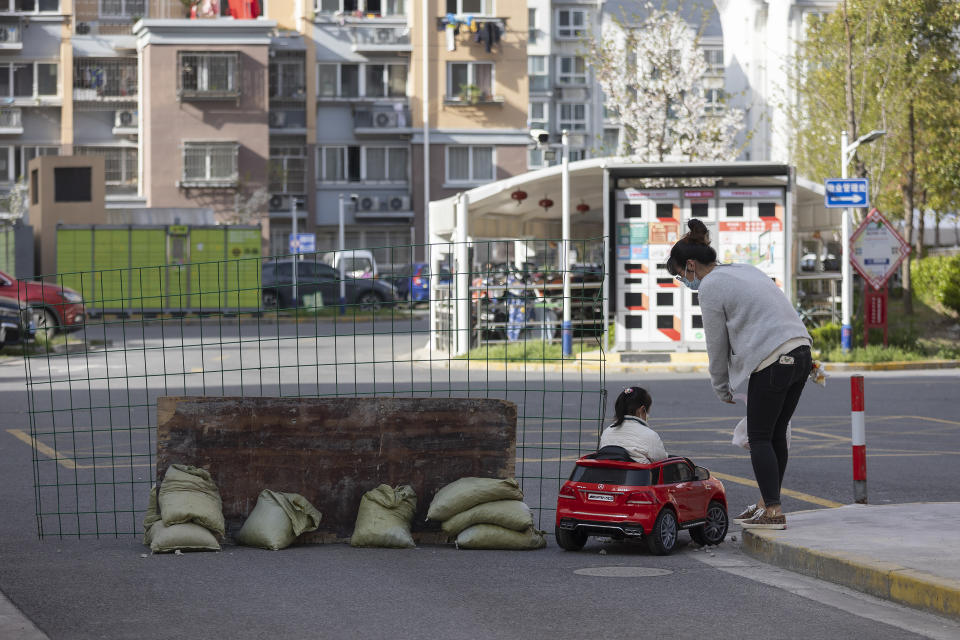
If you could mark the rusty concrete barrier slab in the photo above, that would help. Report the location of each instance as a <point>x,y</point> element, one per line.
<point>333,450</point>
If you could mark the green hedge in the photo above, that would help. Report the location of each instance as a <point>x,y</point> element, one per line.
<point>936,280</point>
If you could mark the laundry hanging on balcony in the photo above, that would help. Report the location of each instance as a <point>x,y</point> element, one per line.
<point>482,30</point>
<point>244,9</point>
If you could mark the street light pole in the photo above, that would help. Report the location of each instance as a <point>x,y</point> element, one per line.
<point>343,283</point>
<point>295,246</point>
<point>567,326</point>
<point>846,275</point>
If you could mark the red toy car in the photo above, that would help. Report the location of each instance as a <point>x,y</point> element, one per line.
<point>54,308</point>
<point>610,495</point>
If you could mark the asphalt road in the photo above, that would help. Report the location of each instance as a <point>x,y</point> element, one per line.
<point>93,411</point>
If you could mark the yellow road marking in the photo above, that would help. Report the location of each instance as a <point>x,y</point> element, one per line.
<point>196,370</point>
<point>820,434</point>
<point>50,452</point>
<point>806,497</point>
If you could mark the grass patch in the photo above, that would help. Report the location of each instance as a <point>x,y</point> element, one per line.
<point>526,351</point>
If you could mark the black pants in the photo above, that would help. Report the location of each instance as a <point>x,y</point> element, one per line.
<point>772,397</point>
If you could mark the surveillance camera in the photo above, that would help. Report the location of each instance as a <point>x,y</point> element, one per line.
<point>354,197</point>
<point>540,136</point>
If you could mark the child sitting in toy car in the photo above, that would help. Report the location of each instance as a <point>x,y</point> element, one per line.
<point>630,429</point>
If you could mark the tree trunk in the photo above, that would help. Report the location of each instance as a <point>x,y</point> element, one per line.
<point>921,224</point>
<point>936,230</point>
<point>907,188</point>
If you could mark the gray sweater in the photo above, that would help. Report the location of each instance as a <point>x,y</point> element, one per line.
<point>745,318</point>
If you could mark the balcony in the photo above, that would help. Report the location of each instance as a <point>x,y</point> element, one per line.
<point>381,120</point>
<point>368,38</point>
<point>11,35</point>
<point>11,121</point>
<point>105,79</point>
<point>208,76</point>
<point>288,121</point>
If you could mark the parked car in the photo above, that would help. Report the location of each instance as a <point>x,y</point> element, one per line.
<point>412,282</point>
<point>54,308</point>
<point>357,263</point>
<point>16,323</point>
<point>610,495</point>
<point>319,278</point>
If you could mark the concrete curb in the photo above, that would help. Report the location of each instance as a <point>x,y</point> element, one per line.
<point>881,579</point>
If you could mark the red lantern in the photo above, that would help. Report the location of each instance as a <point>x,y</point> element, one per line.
<point>546,203</point>
<point>583,207</point>
<point>519,195</point>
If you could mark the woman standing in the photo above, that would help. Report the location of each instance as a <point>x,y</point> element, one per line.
<point>753,333</point>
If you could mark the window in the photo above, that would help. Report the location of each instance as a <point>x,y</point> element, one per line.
<point>28,79</point>
<point>209,75</point>
<point>577,154</point>
<point>539,73</point>
<point>571,23</point>
<point>475,7</point>
<point>677,472</point>
<point>385,164</point>
<point>385,80</point>
<point>539,115</point>
<point>36,6</point>
<point>287,79</point>
<point>714,100</point>
<point>714,58</point>
<point>470,164</point>
<point>375,7</point>
<point>572,117</point>
<point>534,31</point>
<point>572,70</point>
<point>288,166</point>
<point>23,155</point>
<point>120,166</point>
<point>470,81</point>
<point>123,8</point>
<point>535,159</point>
<point>338,163</point>
<point>611,142</point>
<point>98,78</point>
<point>210,162</point>
<point>328,80</point>
<point>72,184</point>
<point>6,167</point>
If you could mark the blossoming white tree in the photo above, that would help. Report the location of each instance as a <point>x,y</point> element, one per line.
<point>651,71</point>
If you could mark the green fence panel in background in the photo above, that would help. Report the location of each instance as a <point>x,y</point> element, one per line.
<point>75,262</point>
<point>111,252</point>
<point>243,268</point>
<point>8,251</point>
<point>207,253</point>
<point>148,259</point>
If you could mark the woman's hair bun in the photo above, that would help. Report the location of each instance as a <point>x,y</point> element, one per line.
<point>698,232</point>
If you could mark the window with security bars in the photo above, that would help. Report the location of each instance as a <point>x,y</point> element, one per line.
<point>287,79</point>
<point>123,8</point>
<point>96,78</point>
<point>208,75</point>
<point>120,166</point>
<point>288,169</point>
<point>213,163</point>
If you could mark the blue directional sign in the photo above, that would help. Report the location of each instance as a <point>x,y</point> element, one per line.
<point>846,192</point>
<point>303,243</point>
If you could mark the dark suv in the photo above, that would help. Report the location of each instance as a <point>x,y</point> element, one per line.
<point>318,278</point>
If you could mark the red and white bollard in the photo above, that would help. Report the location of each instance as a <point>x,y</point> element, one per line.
<point>859,440</point>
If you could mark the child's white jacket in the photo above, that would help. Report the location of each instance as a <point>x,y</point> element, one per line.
<point>633,434</point>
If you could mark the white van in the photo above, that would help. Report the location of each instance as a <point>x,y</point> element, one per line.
<point>357,263</point>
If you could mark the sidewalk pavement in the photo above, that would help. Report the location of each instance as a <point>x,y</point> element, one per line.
<point>905,553</point>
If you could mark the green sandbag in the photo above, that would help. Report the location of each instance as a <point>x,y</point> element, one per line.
<point>509,514</point>
<point>383,519</point>
<point>152,516</point>
<point>277,520</point>
<point>188,494</point>
<point>490,536</point>
<point>181,537</point>
<point>462,494</point>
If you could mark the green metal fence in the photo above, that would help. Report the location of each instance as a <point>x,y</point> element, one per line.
<point>93,392</point>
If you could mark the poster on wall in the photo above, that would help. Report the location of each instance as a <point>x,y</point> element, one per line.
<point>756,242</point>
<point>664,232</point>
<point>632,241</point>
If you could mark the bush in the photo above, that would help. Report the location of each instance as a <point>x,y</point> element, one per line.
<point>936,280</point>
<point>826,337</point>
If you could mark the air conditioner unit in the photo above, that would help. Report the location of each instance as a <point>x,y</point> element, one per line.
<point>385,120</point>
<point>368,203</point>
<point>125,119</point>
<point>281,202</point>
<point>384,35</point>
<point>399,203</point>
<point>83,28</point>
<point>278,119</point>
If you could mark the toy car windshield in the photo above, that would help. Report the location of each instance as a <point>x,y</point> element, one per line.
<point>619,475</point>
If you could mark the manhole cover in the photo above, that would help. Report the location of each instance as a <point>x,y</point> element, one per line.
<point>623,572</point>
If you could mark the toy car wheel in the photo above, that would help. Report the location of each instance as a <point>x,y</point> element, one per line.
<point>571,540</point>
<point>662,540</point>
<point>714,530</point>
